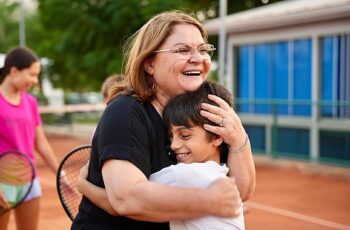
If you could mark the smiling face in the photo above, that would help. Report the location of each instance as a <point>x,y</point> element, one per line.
<point>25,79</point>
<point>194,145</point>
<point>172,74</point>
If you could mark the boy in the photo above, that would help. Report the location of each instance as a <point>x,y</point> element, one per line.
<point>197,152</point>
<point>107,85</point>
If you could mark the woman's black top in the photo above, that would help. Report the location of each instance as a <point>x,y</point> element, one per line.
<point>128,130</point>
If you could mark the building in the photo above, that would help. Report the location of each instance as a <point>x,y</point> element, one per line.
<point>288,66</point>
<point>2,59</point>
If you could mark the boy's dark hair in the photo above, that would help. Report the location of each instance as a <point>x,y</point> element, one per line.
<point>108,82</point>
<point>184,110</point>
<point>19,57</point>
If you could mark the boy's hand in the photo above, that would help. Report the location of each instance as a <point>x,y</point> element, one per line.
<point>83,173</point>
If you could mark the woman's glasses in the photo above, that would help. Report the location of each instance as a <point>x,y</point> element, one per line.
<point>186,51</point>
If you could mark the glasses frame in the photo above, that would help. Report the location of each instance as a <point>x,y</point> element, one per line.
<point>211,49</point>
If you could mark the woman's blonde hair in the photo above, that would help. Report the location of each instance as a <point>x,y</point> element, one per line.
<point>141,46</point>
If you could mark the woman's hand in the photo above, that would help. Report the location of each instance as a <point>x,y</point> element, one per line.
<point>3,203</point>
<point>240,159</point>
<point>229,126</point>
<point>227,199</point>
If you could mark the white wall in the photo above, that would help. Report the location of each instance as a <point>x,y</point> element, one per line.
<point>2,59</point>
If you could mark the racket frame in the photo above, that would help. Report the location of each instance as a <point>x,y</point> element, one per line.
<point>32,169</point>
<point>60,173</point>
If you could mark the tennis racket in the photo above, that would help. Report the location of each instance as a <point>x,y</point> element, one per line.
<point>67,177</point>
<point>16,179</point>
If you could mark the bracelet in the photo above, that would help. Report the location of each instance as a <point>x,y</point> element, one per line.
<point>240,149</point>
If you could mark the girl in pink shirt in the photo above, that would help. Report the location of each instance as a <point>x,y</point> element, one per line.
<point>21,127</point>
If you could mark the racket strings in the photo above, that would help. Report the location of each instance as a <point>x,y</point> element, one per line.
<point>15,170</point>
<point>16,178</point>
<point>68,179</point>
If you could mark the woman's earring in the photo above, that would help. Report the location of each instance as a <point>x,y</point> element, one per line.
<point>154,87</point>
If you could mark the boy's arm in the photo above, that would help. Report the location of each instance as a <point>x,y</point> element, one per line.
<point>136,197</point>
<point>95,194</point>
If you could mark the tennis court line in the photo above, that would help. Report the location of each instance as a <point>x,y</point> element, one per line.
<point>265,208</point>
<point>298,216</point>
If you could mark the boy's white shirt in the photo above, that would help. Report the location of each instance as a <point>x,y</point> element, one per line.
<point>197,175</point>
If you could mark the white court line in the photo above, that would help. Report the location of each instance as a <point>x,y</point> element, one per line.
<point>278,211</point>
<point>298,216</point>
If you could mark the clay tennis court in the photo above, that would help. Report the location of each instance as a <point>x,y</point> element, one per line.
<point>288,197</point>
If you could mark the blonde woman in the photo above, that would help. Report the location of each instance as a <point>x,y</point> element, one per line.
<point>168,56</point>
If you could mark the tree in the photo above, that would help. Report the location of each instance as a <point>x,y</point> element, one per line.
<point>8,26</point>
<point>84,38</point>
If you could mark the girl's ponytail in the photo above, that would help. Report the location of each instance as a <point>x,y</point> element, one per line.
<point>2,74</point>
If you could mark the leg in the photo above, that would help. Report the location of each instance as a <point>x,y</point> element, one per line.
<point>27,214</point>
<point>4,220</point>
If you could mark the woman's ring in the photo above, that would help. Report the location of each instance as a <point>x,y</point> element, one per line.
<point>221,123</point>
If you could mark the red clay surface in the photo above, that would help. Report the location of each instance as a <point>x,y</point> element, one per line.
<point>285,198</point>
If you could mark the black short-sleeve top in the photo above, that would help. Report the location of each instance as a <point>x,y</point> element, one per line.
<point>128,130</point>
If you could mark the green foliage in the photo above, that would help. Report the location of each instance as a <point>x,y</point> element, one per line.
<point>241,5</point>
<point>8,26</point>
<point>84,38</point>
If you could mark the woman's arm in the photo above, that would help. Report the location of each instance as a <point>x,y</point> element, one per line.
<point>98,196</point>
<point>242,168</point>
<point>136,197</point>
<point>44,149</point>
<point>240,158</point>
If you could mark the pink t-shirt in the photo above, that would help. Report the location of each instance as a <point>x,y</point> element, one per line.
<point>18,124</point>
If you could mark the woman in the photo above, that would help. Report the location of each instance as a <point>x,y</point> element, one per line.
<point>21,127</point>
<point>167,57</point>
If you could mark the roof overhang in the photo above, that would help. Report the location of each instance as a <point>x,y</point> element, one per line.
<point>282,14</point>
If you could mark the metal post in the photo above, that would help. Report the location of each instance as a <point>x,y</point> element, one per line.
<point>222,41</point>
<point>315,107</point>
<point>274,137</point>
<point>22,27</point>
